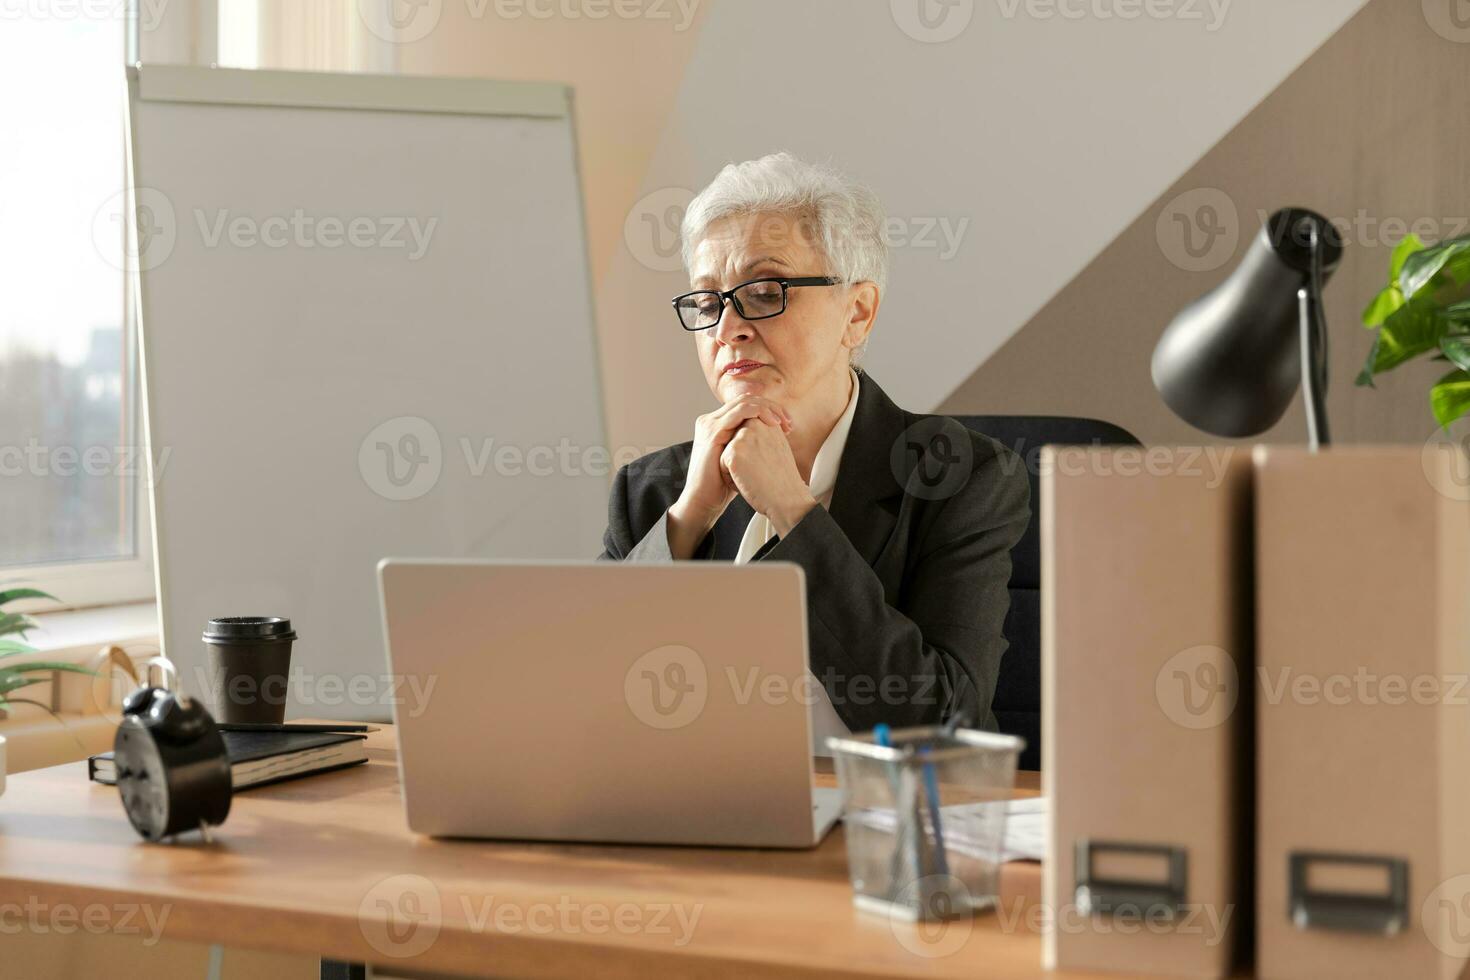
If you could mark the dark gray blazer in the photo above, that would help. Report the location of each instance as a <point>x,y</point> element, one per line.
<point>906,574</point>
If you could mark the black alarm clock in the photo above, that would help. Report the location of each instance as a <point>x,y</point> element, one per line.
<point>173,772</point>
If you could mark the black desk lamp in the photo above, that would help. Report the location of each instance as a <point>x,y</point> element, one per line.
<point>1230,362</point>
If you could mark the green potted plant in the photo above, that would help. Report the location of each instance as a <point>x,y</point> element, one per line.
<point>15,676</point>
<point>1423,310</point>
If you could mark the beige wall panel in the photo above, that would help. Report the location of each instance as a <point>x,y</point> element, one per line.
<point>1368,131</point>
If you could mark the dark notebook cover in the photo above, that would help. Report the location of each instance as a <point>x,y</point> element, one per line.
<point>249,746</point>
<point>253,746</point>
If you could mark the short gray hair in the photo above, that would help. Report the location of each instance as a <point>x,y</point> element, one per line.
<point>846,217</point>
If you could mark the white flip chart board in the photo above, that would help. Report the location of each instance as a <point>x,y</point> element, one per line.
<point>367,331</point>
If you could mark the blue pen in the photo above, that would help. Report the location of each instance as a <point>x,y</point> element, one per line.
<point>931,787</point>
<point>931,790</point>
<point>884,737</point>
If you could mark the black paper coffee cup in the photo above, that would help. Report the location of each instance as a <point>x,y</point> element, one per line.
<point>250,664</point>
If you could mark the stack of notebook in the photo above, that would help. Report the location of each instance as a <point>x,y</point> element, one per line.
<point>263,757</point>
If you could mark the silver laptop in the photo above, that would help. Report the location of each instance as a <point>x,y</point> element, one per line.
<point>603,701</point>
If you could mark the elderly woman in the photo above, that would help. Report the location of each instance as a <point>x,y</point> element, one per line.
<point>903,523</point>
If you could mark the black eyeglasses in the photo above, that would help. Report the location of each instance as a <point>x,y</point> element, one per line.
<point>759,299</point>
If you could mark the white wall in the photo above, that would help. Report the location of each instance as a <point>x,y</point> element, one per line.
<point>300,34</point>
<point>1032,137</point>
<point>1036,139</point>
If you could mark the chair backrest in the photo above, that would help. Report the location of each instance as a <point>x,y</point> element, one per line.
<point>1017,702</point>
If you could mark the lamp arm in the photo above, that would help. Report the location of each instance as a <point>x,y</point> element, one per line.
<point>1314,349</point>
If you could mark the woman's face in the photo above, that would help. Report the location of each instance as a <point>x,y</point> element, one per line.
<point>786,357</point>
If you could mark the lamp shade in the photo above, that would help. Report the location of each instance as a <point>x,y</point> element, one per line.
<point>1231,361</point>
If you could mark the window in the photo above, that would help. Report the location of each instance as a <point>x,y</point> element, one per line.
<point>73,504</point>
<point>74,514</point>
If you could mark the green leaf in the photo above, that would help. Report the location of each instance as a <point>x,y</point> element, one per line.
<point>15,595</point>
<point>18,681</point>
<point>1410,244</point>
<point>9,648</point>
<point>1457,350</point>
<point>35,665</point>
<point>1384,305</point>
<point>1450,397</point>
<point>1365,376</point>
<point>17,624</point>
<point>15,678</point>
<point>1457,317</point>
<point>1413,330</point>
<point>1451,257</point>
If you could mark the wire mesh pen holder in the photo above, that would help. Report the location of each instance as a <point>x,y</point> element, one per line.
<point>925,819</point>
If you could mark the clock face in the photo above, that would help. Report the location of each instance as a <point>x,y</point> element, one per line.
<point>141,780</point>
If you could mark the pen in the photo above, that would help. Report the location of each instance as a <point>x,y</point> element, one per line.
<point>931,788</point>
<point>293,727</point>
<point>932,798</point>
<point>908,830</point>
<point>882,735</point>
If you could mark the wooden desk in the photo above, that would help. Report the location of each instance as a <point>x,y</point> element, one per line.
<point>314,866</point>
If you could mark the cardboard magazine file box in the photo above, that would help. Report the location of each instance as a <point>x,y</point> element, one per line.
<point>1146,642</point>
<point>1363,617</point>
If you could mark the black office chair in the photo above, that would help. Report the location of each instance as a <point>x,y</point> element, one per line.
<point>1017,702</point>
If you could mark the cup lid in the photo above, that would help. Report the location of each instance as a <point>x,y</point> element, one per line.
<point>228,629</point>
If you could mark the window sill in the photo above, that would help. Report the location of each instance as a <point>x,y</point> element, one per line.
<point>87,716</point>
<point>36,740</point>
<point>80,632</point>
